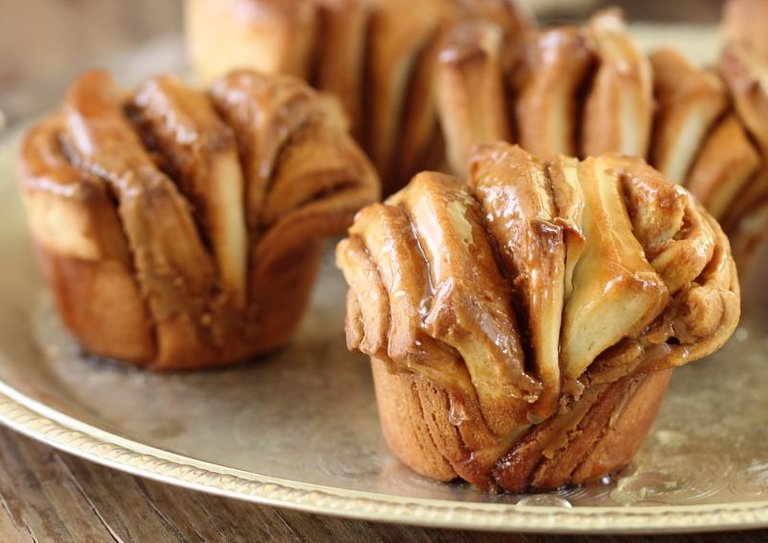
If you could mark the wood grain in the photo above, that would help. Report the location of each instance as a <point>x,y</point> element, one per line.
<point>46,495</point>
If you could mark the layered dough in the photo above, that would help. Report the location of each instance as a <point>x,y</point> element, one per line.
<point>380,57</point>
<point>181,229</point>
<point>589,90</point>
<point>524,312</point>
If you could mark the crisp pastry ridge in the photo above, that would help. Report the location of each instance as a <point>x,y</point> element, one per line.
<point>180,228</point>
<point>379,56</point>
<point>522,326</point>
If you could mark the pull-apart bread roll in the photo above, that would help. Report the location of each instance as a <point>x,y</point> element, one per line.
<point>180,228</point>
<point>589,90</point>
<point>522,327</point>
<point>378,56</point>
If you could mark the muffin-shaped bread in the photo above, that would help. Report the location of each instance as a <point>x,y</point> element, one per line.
<point>378,56</point>
<point>181,228</point>
<point>588,90</point>
<point>522,326</point>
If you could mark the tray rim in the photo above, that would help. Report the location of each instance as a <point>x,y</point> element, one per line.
<point>42,423</point>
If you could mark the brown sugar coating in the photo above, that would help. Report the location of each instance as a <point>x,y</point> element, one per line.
<point>522,322</point>
<point>174,238</point>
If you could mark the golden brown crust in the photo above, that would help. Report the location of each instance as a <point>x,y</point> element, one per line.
<point>530,236</point>
<point>746,75</point>
<point>82,249</point>
<point>619,107</point>
<point>125,332</point>
<point>590,90</point>
<point>274,37</point>
<point>172,265</point>
<point>518,312</point>
<point>745,71</point>
<point>556,66</point>
<point>405,425</point>
<point>209,261</point>
<point>726,163</point>
<point>470,90</point>
<point>200,151</point>
<point>595,437</point>
<point>396,47</point>
<point>626,430</point>
<point>688,102</point>
<point>380,57</point>
<point>340,62</point>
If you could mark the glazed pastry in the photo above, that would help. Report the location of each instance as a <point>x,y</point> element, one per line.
<point>619,106</point>
<point>590,90</point>
<point>522,326</point>
<point>271,37</point>
<point>180,229</point>
<point>380,62</point>
<point>470,85</point>
<point>688,102</point>
<point>726,164</point>
<point>744,69</point>
<point>555,68</point>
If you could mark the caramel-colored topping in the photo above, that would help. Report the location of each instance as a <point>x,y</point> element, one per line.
<point>590,90</point>
<point>470,90</point>
<point>190,207</point>
<point>181,124</point>
<point>522,218</point>
<point>525,295</point>
<point>726,163</point>
<point>616,292</point>
<point>688,102</point>
<point>269,37</point>
<point>381,58</point>
<point>469,307</point>
<point>556,66</point>
<point>619,108</point>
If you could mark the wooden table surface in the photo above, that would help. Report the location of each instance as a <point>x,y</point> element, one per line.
<point>47,495</point>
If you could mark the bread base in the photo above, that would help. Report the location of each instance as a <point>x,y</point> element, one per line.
<point>101,305</point>
<point>594,437</point>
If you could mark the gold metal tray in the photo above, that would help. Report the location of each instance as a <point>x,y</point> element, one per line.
<point>299,429</point>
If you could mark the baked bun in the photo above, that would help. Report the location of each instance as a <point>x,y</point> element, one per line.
<point>179,228</point>
<point>589,90</point>
<point>522,326</point>
<point>378,56</point>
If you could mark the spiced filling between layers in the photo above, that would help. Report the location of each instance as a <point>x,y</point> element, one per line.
<point>531,303</point>
<point>201,208</point>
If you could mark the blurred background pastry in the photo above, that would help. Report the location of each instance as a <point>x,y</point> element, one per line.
<point>487,72</point>
<point>60,39</point>
<point>591,89</point>
<point>379,61</point>
<point>179,228</point>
